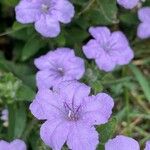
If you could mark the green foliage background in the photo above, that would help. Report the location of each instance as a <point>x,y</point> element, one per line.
<point>128,85</point>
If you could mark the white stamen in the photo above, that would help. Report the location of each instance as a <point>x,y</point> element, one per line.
<point>69,114</point>
<point>45,7</point>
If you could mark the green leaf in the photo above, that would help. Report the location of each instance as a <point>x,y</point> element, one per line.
<point>144,83</point>
<point>20,120</point>
<point>33,45</point>
<point>25,93</point>
<point>107,130</point>
<point>17,120</point>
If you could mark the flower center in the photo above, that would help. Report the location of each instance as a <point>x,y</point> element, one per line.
<point>45,8</point>
<point>61,71</point>
<point>107,47</point>
<point>72,113</point>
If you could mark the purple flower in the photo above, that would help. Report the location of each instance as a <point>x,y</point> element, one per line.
<point>57,66</point>
<point>70,115</point>
<point>144,27</point>
<point>128,4</point>
<point>14,145</point>
<point>121,142</point>
<point>147,147</point>
<point>46,14</point>
<point>108,49</point>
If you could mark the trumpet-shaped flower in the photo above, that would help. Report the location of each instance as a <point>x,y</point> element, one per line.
<point>144,29</point>
<point>128,4</point>
<point>108,49</point>
<point>14,145</point>
<point>70,115</point>
<point>45,14</point>
<point>57,66</point>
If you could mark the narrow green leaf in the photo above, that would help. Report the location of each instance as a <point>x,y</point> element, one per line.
<point>144,83</point>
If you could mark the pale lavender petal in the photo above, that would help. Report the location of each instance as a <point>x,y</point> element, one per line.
<point>92,49</point>
<point>74,68</point>
<point>74,92</point>
<point>105,62</point>
<point>4,145</point>
<point>97,109</point>
<point>64,11</point>
<point>54,133</point>
<point>47,79</point>
<point>51,58</point>
<point>122,143</point>
<point>47,105</point>
<point>118,41</point>
<point>123,56</point>
<point>144,14</point>
<point>27,11</point>
<point>102,34</point>
<point>47,26</point>
<point>17,145</point>
<point>128,4</point>
<point>143,31</point>
<point>82,137</point>
<point>147,147</point>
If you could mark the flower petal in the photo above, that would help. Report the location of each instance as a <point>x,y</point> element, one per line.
<point>105,62</point>
<point>147,147</point>
<point>47,79</point>
<point>74,69</point>
<point>123,56</point>
<point>118,41</point>
<point>101,34</point>
<point>64,11</point>
<point>4,145</point>
<point>73,92</point>
<point>82,137</point>
<point>144,14</point>
<point>122,143</point>
<point>27,11</point>
<point>47,26</point>
<point>92,49</point>
<point>128,4</point>
<point>143,30</point>
<point>54,133</point>
<point>47,105</point>
<point>54,57</point>
<point>18,145</point>
<point>97,109</point>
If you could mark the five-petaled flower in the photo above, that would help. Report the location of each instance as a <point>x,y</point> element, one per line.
<point>14,145</point>
<point>144,27</point>
<point>46,14</point>
<point>57,66</point>
<point>108,49</point>
<point>122,142</point>
<point>70,115</point>
<point>128,4</point>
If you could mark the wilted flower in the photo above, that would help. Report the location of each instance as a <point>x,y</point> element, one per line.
<point>4,117</point>
<point>121,142</point>
<point>144,27</point>
<point>128,4</point>
<point>14,145</point>
<point>70,115</point>
<point>57,66</point>
<point>108,49</point>
<point>46,14</point>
